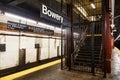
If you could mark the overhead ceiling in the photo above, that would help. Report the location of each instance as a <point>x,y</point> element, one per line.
<point>34,5</point>
<point>86,5</point>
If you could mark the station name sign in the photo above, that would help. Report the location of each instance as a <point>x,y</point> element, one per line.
<point>52,15</point>
<point>28,28</point>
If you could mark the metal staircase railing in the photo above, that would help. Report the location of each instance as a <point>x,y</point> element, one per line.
<point>82,57</point>
<point>79,42</point>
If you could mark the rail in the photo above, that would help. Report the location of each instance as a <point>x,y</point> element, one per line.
<point>117,37</point>
<point>79,43</point>
<point>101,51</point>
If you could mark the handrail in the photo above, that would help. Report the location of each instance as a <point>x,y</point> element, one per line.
<point>117,38</point>
<point>101,50</point>
<point>80,41</point>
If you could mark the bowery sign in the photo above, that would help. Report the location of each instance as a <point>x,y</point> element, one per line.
<point>53,15</point>
<point>46,11</point>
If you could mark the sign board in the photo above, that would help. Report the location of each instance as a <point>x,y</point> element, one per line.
<point>39,30</point>
<point>52,15</point>
<point>16,26</point>
<point>27,28</point>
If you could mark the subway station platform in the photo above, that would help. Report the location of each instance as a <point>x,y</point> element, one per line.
<point>55,73</point>
<point>39,37</point>
<point>52,71</point>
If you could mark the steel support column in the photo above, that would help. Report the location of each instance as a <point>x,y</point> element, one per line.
<point>69,35</point>
<point>106,33</point>
<point>92,48</point>
<point>61,38</point>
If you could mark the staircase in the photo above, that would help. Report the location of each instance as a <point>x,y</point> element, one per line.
<point>87,53</point>
<point>85,59</point>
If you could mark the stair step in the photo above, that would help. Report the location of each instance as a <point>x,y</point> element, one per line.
<point>89,51</point>
<point>86,63</point>
<point>87,54</point>
<point>86,57</point>
<point>80,59</point>
<point>90,48</point>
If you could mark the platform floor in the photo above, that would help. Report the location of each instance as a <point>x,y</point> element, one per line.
<point>52,71</point>
<point>55,73</point>
<point>115,64</point>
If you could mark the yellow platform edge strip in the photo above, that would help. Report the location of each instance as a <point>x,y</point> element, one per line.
<point>118,51</point>
<point>94,35</point>
<point>28,71</point>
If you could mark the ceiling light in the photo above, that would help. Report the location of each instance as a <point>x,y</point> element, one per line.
<point>15,16</point>
<point>82,10</point>
<point>92,5</point>
<point>75,33</point>
<point>30,20</point>
<point>59,29</point>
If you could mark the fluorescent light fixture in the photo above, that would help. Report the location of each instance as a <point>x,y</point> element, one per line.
<point>29,20</point>
<point>58,29</point>
<point>32,21</point>
<point>82,10</point>
<point>45,25</point>
<point>75,33</point>
<point>92,18</point>
<point>15,16</point>
<point>20,17</point>
<point>92,5</point>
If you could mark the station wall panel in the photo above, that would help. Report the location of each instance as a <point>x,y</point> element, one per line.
<point>44,49</point>
<point>28,43</point>
<point>53,49</point>
<point>9,58</point>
